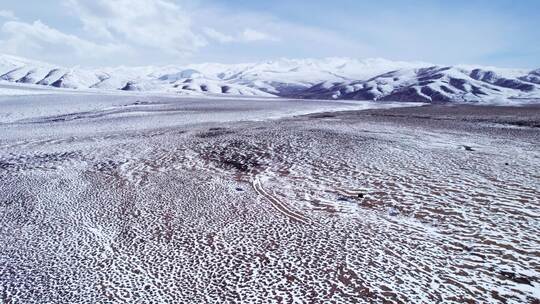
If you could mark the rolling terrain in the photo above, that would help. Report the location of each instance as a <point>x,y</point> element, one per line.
<point>155,198</point>
<point>331,78</point>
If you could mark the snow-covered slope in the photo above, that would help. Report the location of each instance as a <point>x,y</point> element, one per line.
<point>331,78</point>
<point>532,77</point>
<point>433,84</point>
<point>182,80</point>
<point>286,77</point>
<point>9,63</point>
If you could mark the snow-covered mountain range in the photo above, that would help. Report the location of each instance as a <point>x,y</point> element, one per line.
<point>331,78</point>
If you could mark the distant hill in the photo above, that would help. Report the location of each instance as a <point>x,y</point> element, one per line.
<point>330,78</point>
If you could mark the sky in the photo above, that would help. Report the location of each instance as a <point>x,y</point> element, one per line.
<point>158,32</point>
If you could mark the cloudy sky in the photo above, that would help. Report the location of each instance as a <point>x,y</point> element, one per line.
<point>140,32</point>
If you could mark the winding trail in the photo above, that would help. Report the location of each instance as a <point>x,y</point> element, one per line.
<point>280,206</point>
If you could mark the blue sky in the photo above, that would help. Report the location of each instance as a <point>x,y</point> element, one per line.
<point>140,32</point>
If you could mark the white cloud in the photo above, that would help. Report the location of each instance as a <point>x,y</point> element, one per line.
<point>164,32</point>
<point>253,35</point>
<point>134,31</point>
<point>218,36</point>
<point>159,24</point>
<point>247,35</point>
<point>23,38</point>
<point>289,39</point>
<point>7,15</point>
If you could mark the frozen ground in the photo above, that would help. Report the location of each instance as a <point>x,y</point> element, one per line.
<point>145,199</point>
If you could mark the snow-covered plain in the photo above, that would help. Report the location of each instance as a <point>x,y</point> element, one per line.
<point>155,198</point>
<point>23,103</point>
